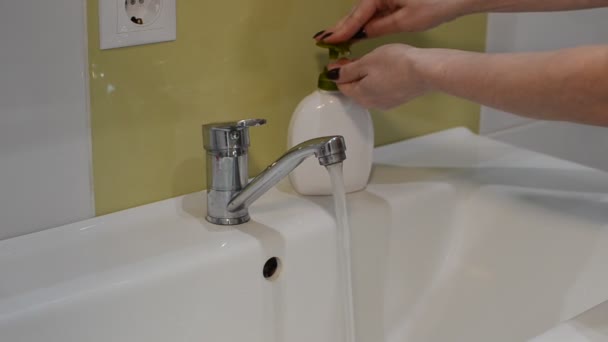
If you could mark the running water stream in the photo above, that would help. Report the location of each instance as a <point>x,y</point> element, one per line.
<point>344,252</point>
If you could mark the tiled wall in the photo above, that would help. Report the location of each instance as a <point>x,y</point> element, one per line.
<point>232,60</point>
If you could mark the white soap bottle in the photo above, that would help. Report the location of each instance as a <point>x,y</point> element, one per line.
<point>328,112</point>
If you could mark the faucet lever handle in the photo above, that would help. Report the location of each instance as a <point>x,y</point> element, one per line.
<point>229,135</point>
<point>251,122</point>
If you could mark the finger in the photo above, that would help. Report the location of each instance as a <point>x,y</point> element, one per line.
<point>392,23</point>
<point>351,24</point>
<point>321,35</point>
<point>347,73</point>
<point>349,89</point>
<point>339,63</point>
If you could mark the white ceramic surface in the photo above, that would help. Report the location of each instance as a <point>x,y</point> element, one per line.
<point>457,238</point>
<point>325,113</point>
<point>591,326</point>
<point>45,175</point>
<point>497,243</point>
<point>161,273</point>
<point>582,144</point>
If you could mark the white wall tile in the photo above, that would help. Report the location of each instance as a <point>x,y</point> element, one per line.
<point>45,174</point>
<point>509,32</point>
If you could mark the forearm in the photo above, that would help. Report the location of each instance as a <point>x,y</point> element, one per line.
<point>534,5</point>
<point>567,85</point>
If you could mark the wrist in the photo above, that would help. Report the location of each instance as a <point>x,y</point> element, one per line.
<point>484,6</point>
<point>442,69</point>
<point>467,7</point>
<point>428,66</point>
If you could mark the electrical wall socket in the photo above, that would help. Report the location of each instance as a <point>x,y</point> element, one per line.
<point>135,22</point>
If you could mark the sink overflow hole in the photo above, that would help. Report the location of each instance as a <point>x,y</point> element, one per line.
<point>271,268</point>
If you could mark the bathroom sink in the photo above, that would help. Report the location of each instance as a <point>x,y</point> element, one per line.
<point>590,326</point>
<point>162,273</point>
<point>457,238</point>
<point>485,242</point>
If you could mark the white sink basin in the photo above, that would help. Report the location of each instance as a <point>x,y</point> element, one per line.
<point>457,238</point>
<point>591,326</point>
<point>161,273</point>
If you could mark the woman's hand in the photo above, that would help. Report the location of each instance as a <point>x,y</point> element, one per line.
<point>373,18</point>
<point>565,85</point>
<point>382,79</point>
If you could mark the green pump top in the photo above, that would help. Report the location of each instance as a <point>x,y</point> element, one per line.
<point>336,51</point>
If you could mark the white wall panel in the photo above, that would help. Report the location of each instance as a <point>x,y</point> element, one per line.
<point>45,177</point>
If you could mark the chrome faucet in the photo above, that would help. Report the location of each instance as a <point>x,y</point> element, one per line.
<point>229,194</point>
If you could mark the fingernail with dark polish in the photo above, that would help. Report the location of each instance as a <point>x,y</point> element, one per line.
<point>361,34</point>
<point>327,35</point>
<point>333,74</point>
<point>318,34</point>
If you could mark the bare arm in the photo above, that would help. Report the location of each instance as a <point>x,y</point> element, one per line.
<point>565,85</point>
<point>534,5</point>
<point>568,85</point>
<point>373,18</point>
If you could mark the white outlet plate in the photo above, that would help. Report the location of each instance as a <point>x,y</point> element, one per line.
<point>117,29</point>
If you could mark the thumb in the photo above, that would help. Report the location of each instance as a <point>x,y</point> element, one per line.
<point>347,73</point>
<point>348,27</point>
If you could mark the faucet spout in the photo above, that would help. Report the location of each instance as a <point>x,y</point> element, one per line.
<point>328,150</point>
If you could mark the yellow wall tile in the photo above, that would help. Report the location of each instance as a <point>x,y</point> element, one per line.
<point>232,60</point>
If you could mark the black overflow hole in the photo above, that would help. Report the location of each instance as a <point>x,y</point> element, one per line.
<point>271,268</point>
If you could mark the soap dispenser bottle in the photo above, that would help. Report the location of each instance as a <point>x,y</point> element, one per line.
<point>328,112</point>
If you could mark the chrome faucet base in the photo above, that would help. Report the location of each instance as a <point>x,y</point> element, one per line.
<point>228,221</point>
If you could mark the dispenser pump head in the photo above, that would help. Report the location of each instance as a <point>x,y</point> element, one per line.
<point>336,51</point>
